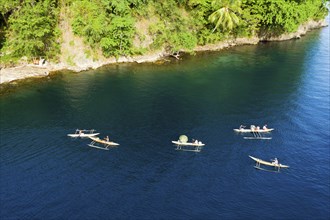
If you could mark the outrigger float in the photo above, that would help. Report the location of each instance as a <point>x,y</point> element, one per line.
<point>257,135</point>
<point>256,132</point>
<point>106,144</point>
<point>83,133</point>
<point>183,144</point>
<point>275,164</point>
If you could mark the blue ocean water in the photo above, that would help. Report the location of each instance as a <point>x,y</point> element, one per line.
<point>47,175</point>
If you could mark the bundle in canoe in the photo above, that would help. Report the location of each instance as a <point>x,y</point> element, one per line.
<point>184,145</point>
<point>106,143</point>
<point>274,164</point>
<point>83,133</point>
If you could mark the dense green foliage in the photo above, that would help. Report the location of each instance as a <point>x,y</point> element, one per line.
<point>105,24</point>
<point>283,16</point>
<point>31,27</point>
<point>6,8</point>
<point>173,30</point>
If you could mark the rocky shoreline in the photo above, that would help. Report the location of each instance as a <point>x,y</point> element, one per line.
<point>8,75</point>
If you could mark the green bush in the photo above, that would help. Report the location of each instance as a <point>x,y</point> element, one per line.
<point>32,30</point>
<point>279,16</point>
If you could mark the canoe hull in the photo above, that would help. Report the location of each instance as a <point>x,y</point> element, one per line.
<point>83,135</point>
<point>268,163</point>
<point>98,140</point>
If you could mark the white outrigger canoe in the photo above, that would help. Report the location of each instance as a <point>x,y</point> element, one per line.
<point>83,133</point>
<point>259,162</point>
<point>188,146</point>
<point>106,144</point>
<point>243,130</point>
<point>257,133</point>
<point>199,144</point>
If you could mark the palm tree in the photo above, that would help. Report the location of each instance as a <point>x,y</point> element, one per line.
<point>226,16</point>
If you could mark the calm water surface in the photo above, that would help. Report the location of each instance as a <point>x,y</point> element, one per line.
<point>46,175</point>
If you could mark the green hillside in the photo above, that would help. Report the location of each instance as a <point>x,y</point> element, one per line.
<point>31,28</point>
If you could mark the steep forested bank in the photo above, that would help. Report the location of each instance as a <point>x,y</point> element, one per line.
<point>114,28</point>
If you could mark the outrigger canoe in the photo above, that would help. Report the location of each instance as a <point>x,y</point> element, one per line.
<point>101,141</point>
<point>259,161</point>
<point>183,144</point>
<point>199,144</point>
<point>243,130</point>
<point>82,134</point>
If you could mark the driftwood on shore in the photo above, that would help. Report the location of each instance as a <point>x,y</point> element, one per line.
<point>175,55</point>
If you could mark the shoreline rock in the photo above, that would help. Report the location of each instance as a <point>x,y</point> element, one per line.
<point>8,75</point>
<point>302,30</point>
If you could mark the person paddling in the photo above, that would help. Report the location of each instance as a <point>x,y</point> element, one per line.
<point>275,161</point>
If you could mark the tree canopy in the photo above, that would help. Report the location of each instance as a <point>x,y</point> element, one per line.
<point>31,27</point>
